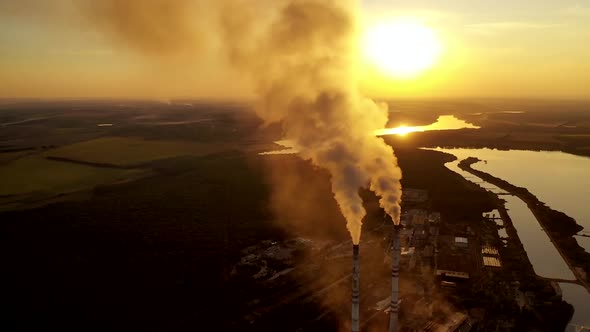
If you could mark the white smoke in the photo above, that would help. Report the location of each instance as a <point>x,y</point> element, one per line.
<point>303,63</point>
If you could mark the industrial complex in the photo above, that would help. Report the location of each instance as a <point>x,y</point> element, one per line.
<point>425,274</point>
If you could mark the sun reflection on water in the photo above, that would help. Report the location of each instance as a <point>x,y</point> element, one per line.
<point>444,122</point>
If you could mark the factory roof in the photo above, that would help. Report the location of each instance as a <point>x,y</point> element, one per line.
<point>452,273</point>
<point>489,250</point>
<point>461,240</point>
<point>489,261</point>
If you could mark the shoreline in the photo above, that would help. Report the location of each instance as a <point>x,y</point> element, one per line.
<point>559,227</point>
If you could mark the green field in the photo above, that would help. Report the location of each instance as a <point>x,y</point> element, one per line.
<point>37,174</point>
<point>125,151</point>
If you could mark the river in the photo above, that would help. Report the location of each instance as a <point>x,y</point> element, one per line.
<point>561,181</point>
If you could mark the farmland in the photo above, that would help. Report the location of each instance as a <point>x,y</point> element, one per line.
<point>37,174</point>
<point>129,151</point>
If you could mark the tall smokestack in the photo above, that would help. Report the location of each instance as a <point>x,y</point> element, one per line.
<point>355,288</point>
<point>394,306</point>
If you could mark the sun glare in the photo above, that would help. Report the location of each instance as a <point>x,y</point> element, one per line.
<point>401,48</point>
<point>444,122</point>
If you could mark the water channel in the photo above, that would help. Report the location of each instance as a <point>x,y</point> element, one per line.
<point>563,185</point>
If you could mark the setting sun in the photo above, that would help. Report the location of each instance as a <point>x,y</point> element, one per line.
<point>401,48</point>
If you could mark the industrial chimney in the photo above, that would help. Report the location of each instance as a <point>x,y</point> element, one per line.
<point>394,306</point>
<point>355,288</point>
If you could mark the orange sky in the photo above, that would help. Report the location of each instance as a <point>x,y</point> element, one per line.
<point>535,49</point>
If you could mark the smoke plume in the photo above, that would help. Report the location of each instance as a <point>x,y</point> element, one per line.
<point>300,56</point>
<point>155,27</point>
<point>304,65</point>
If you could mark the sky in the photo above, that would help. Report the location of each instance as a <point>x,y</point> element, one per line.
<point>514,49</point>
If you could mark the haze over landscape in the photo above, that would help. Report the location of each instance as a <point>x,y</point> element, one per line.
<point>191,164</point>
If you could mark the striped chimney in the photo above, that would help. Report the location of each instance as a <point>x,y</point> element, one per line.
<point>355,288</point>
<point>394,305</point>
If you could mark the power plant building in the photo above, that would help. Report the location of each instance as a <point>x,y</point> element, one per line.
<point>491,257</point>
